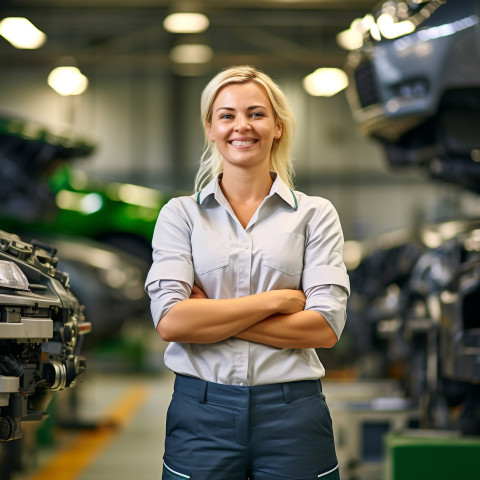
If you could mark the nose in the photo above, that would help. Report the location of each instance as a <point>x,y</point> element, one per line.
<point>242,123</point>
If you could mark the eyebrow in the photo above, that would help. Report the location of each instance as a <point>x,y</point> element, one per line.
<point>253,107</point>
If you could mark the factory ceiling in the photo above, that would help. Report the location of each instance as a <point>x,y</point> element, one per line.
<point>271,34</point>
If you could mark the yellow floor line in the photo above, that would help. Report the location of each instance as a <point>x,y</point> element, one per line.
<point>72,460</point>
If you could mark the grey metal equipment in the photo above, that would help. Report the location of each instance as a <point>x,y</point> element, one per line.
<point>41,328</point>
<point>418,94</point>
<point>418,298</point>
<point>446,280</point>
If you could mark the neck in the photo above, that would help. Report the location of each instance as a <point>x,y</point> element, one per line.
<point>246,186</point>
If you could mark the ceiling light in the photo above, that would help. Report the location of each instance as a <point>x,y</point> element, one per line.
<point>367,21</point>
<point>375,32</point>
<point>391,29</point>
<point>21,33</point>
<point>350,39</point>
<point>325,82</point>
<point>67,81</point>
<point>186,23</point>
<point>191,53</point>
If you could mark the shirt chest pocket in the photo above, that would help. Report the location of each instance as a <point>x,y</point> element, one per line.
<point>284,252</point>
<point>210,251</point>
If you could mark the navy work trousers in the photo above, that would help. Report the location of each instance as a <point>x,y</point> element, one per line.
<point>266,432</point>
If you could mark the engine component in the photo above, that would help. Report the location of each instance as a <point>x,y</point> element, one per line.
<point>41,328</point>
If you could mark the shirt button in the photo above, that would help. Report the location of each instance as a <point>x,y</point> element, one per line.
<point>243,275</point>
<point>242,359</point>
<point>246,246</point>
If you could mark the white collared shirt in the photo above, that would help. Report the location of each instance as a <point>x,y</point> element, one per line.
<point>292,241</point>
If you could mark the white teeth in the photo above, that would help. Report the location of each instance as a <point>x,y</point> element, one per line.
<point>242,143</point>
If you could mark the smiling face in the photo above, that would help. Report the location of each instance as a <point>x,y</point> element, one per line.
<point>243,125</point>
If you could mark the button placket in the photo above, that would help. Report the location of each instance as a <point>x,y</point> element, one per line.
<point>244,263</point>
<point>243,289</point>
<point>241,362</point>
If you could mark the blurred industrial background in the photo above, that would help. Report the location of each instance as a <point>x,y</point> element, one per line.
<point>387,101</point>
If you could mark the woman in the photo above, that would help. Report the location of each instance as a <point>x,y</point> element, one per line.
<point>247,280</point>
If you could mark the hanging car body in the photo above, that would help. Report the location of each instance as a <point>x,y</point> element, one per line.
<point>418,93</point>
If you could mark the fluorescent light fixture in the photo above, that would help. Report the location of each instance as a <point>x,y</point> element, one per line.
<point>186,23</point>
<point>191,53</point>
<point>21,33</point>
<point>67,81</point>
<point>325,82</point>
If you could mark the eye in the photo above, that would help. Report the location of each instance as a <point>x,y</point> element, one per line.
<point>257,114</point>
<point>226,116</point>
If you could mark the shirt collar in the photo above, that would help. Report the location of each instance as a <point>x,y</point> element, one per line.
<point>210,189</point>
<point>279,187</point>
<point>283,191</point>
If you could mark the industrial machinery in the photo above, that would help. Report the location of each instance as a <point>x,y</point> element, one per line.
<point>29,153</point>
<point>415,85</point>
<point>415,89</point>
<point>414,303</point>
<point>36,164</point>
<point>42,308</point>
<point>41,329</point>
<point>42,198</point>
<point>440,319</point>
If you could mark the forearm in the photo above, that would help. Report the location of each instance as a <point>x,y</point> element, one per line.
<point>305,329</point>
<point>202,320</point>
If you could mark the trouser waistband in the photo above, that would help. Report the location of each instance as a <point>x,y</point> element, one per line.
<point>239,395</point>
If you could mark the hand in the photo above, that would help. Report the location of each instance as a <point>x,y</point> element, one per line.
<point>290,301</point>
<point>197,292</point>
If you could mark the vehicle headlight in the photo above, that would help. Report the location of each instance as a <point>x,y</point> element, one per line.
<point>11,276</point>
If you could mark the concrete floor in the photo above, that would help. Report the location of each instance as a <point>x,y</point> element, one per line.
<point>127,443</point>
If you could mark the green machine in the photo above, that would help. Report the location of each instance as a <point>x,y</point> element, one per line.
<point>434,455</point>
<point>61,200</point>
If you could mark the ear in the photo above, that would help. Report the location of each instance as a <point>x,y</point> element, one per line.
<point>278,130</point>
<point>209,133</point>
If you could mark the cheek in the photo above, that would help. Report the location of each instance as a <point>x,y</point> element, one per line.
<point>217,132</point>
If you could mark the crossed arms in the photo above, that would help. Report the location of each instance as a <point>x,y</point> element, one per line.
<point>275,318</point>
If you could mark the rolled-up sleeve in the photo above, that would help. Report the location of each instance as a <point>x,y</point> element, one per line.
<point>171,275</point>
<point>164,295</point>
<point>325,280</point>
<point>331,302</point>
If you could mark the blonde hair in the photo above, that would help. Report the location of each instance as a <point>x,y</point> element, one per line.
<point>280,158</point>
